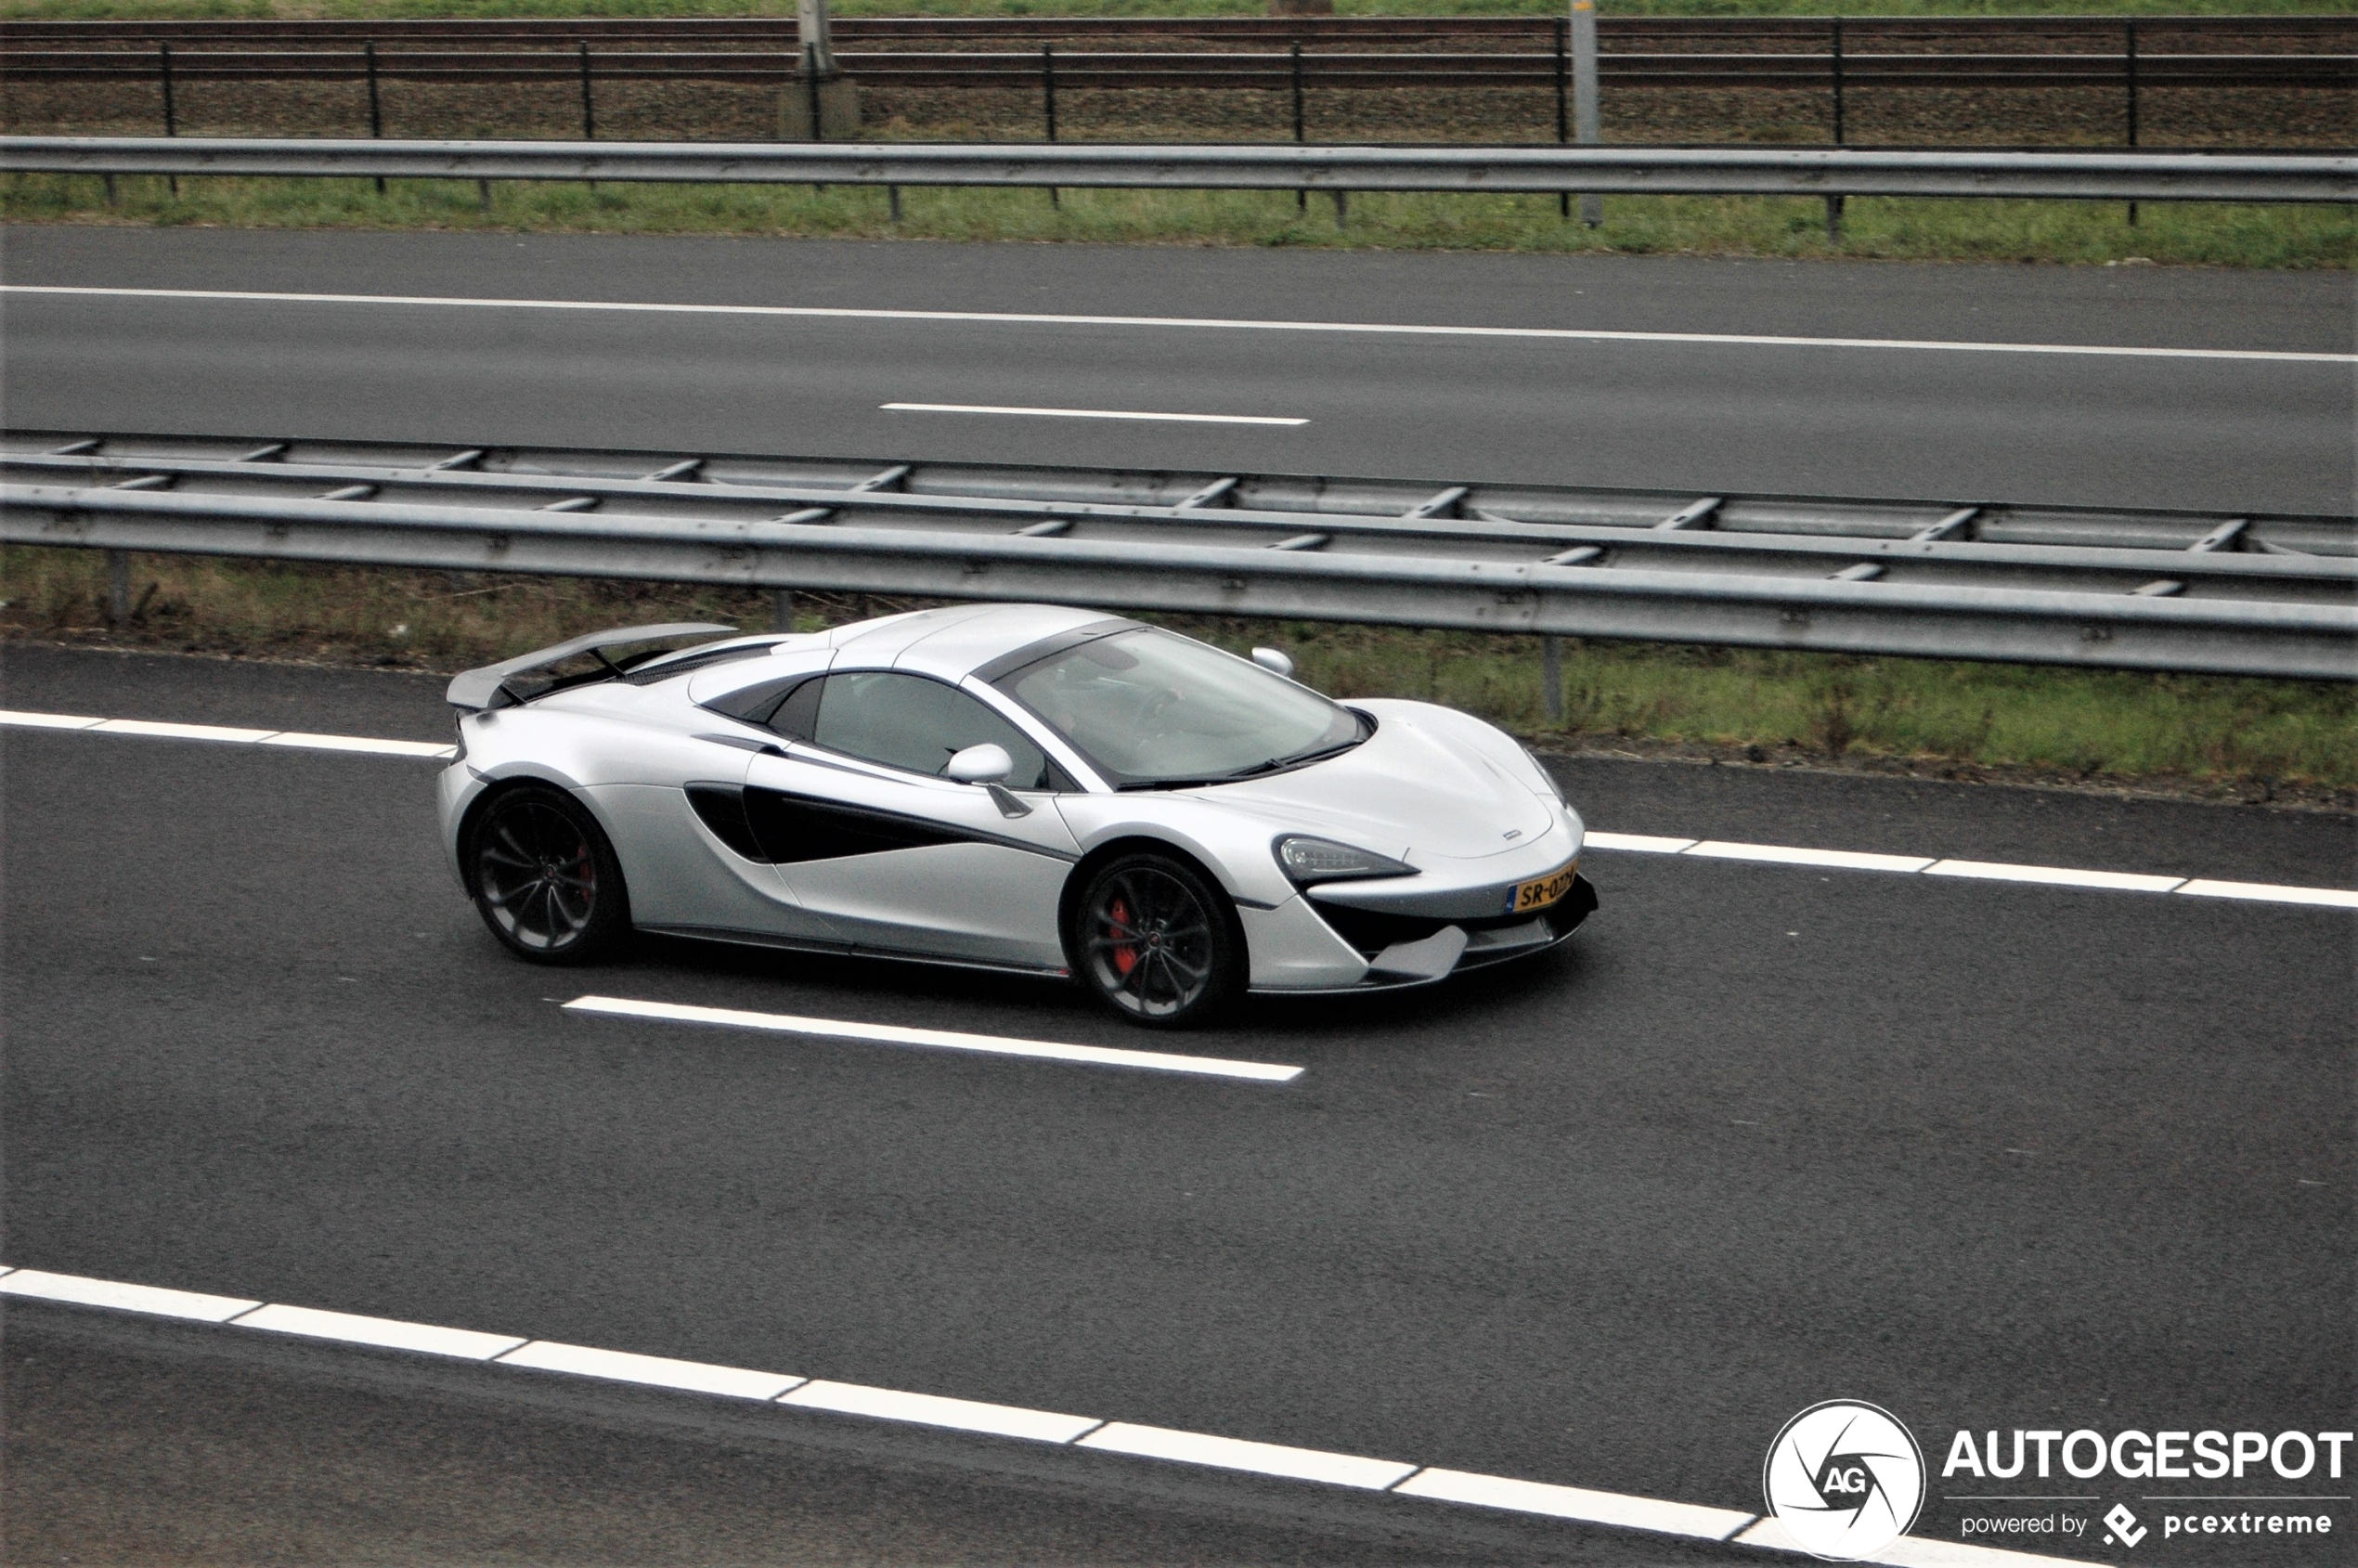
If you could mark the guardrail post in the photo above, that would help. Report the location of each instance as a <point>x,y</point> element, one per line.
<point>170,119</point>
<point>589,113</point>
<point>782,609</point>
<point>2129,63</point>
<point>1833,203</point>
<point>1048,102</point>
<point>1564,112</point>
<point>1584,95</point>
<point>1551,676</point>
<point>118,587</point>
<point>1301,198</point>
<point>376,106</point>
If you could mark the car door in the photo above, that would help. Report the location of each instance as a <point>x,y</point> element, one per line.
<point>871,838</point>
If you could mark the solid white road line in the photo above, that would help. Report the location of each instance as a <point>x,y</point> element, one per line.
<point>181,732</point>
<point>2264,892</point>
<point>933,1410</point>
<point>381,1333</point>
<point>1211,323</point>
<point>1259,1459</point>
<point>1638,843</point>
<point>1632,843</point>
<point>1919,1551</point>
<point>653,1371</point>
<point>935,1038</point>
<point>157,729</point>
<point>154,1300</point>
<point>1575,1502</point>
<point>48,721</point>
<point>1082,413</point>
<point>2055,876</point>
<point>1787,854</point>
<point>357,743</point>
<point>1540,1498</point>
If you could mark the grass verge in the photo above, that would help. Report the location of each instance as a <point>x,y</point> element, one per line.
<point>1872,228</point>
<point>2277,739</point>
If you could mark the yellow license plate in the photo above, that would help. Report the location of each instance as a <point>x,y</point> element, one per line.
<point>1540,892</point>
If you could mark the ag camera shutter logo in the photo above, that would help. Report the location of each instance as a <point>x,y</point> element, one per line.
<point>1845,1480</point>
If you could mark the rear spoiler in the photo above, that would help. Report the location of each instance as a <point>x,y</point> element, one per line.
<point>487,687</point>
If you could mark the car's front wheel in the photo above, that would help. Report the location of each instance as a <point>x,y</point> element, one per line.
<point>545,878</point>
<point>1155,941</point>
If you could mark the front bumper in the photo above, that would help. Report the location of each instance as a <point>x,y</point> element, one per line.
<point>1409,951</point>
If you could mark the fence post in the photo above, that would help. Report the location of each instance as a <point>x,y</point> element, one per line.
<point>1301,198</point>
<point>171,117</point>
<point>1564,111</point>
<point>2130,63</point>
<point>376,106</point>
<point>1833,203</point>
<point>588,111</point>
<point>1584,95</point>
<point>1048,103</point>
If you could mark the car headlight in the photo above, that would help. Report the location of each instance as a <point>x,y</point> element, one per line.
<point>1308,859</point>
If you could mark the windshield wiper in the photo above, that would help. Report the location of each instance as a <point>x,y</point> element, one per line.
<point>1299,759</point>
<point>1251,770</point>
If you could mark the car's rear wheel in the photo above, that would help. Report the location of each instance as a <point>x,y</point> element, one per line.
<point>545,878</point>
<point>1155,941</point>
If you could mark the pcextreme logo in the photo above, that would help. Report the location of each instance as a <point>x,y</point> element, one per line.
<point>1845,1479</point>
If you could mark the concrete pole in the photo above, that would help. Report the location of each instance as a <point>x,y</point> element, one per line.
<point>817,48</point>
<point>1584,95</point>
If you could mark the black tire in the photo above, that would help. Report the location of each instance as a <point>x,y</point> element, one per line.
<point>1153,938</point>
<point>545,879</point>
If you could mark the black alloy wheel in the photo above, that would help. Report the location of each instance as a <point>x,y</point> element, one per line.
<point>545,878</point>
<point>1155,941</point>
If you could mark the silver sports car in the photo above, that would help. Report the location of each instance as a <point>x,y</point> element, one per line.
<point>1011,786</point>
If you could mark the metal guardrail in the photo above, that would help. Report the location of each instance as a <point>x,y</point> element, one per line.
<point>1198,69</point>
<point>1659,171</point>
<point>2273,595</point>
<point>780,32</point>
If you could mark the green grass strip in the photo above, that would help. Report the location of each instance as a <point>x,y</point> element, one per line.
<point>1882,228</point>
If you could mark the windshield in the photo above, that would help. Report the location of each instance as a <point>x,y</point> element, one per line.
<point>1151,709</point>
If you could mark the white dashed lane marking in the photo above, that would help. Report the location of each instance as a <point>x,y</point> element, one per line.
<point>1084,413</point>
<point>935,1038</point>
<point>226,734</point>
<point>1614,843</point>
<point>1204,1450</point>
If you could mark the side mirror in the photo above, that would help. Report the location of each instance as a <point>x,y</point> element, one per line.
<point>1274,661</point>
<point>985,764</point>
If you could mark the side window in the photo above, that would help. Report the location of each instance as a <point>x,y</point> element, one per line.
<point>909,721</point>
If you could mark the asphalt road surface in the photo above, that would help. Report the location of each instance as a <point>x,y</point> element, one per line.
<point>1898,420</point>
<point>1990,1156</point>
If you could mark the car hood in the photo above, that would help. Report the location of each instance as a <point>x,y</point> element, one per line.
<point>1409,790</point>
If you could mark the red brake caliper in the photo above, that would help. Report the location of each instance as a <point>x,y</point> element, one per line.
<point>1125,957</point>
